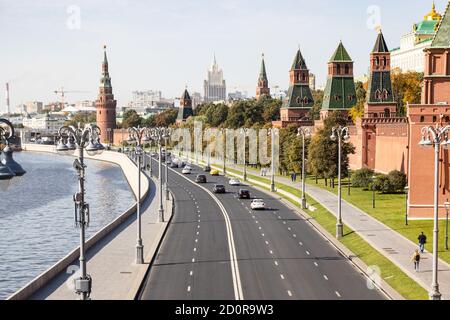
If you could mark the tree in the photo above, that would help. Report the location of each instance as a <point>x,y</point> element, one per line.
<point>271,108</point>
<point>407,88</point>
<point>216,115</point>
<point>131,119</point>
<point>314,113</point>
<point>82,119</point>
<point>362,178</point>
<point>166,118</point>
<point>361,92</point>
<point>323,152</point>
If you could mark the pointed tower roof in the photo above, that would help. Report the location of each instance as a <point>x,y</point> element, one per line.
<point>442,37</point>
<point>105,58</point>
<point>105,80</point>
<point>341,54</point>
<point>299,62</point>
<point>186,95</point>
<point>380,44</point>
<point>262,72</point>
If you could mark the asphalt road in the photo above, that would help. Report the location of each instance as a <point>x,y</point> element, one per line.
<point>279,256</point>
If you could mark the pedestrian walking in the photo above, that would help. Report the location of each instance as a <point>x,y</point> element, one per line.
<point>422,241</point>
<point>416,259</point>
<point>292,177</point>
<point>295,177</point>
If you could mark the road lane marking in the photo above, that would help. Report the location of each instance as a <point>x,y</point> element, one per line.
<point>276,263</point>
<point>325,277</point>
<point>196,240</point>
<point>263,234</point>
<point>307,252</point>
<point>300,243</point>
<point>294,235</point>
<point>237,285</point>
<point>289,228</point>
<point>191,273</point>
<point>316,264</point>
<point>193,260</point>
<point>271,252</point>
<point>338,294</point>
<point>267,242</point>
<point>189,289</point>
<point>282,277</point>
<point>195,249</point>
<point>289,293</point>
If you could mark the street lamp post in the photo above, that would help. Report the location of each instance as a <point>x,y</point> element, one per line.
<point>339,133</point>
<point>304,133</point>
<point>373,192</point>
<point>158,135</point>
<point>447,208</point>
<point>139,135</point>
<point>166,137</point>
<point>272,179</point>
<point>9,168</point>
<point>224,137</point>
<point>245,131</point>
<point>435,137</point>
<point>71,139</point>
<point>406,210</point>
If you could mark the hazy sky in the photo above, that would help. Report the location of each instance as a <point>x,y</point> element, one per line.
<point>168,44</point>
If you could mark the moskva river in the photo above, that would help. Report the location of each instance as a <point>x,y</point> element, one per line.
<point>37,213</point>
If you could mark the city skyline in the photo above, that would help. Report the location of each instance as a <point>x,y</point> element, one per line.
<point>48,43</point>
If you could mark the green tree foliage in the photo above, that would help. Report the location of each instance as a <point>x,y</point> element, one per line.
<point>82,118</point>
<point>407,88</point>
<point>291,150</point>
<point>166,118</point>
<point>131,119</point>
<point>393,182</point>
<point>361,92</point>
<point>323,152</point>
<point>362,178</point>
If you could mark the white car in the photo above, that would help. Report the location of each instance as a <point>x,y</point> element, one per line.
<point>258,204</point>
<point>186,170</point>
<point>234,182</point>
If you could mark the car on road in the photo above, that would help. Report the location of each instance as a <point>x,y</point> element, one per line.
<point>174,165</point>
<point>153,154</point>
<point>201,178</point>
<point>215,172</point>
<point>234,182</point>
<point>219,188</point>
<point>186,171</point>
<point>258,204</point>
<point>244,194</point>
<point>207,169</point>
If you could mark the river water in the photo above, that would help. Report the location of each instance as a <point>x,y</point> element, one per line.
<point>36,213</point>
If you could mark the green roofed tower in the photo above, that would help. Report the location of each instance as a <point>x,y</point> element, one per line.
<point>340,92</point>
<point>299,100</point>
<point>185,111</point>
<point>380,99</point>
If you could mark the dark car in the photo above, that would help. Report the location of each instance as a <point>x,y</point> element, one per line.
<point>207,169</point>
<point>244,194</point>
<point>201,178</point>
<point>219,188</point>
<point>174,165</point>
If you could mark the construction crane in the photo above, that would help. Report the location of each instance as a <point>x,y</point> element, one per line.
<point>62,93</point>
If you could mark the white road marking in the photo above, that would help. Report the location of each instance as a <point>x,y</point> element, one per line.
<point>263,234</point>
<point>282,277</point>
<point>325,277</point>
<point>271,252</point>
<point>289,228</point>
<point>189,289</point>
<point>316,264</point>
<point>195,249</point>
<point>193,260</point>
<point>196,240</point>
<point>267,242</point>
<point>276,263</point>
<point>300,243</point>
<point>260,228</point>
<point>294,235</point>
<point>307,252</point>
<point>198,233</point>
<point>289,293</point>
<point>191,273</point>
<point>337,293</point>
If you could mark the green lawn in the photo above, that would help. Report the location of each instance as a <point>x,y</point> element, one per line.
<point>393,275</point>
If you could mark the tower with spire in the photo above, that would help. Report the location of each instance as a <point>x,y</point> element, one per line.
<point>380,99</point>
<point>106,105</point>
<point>185,111</point>
<point>340,92</point>
<point>215,88</point>
<point>299,99</point>
<point>263,83</point>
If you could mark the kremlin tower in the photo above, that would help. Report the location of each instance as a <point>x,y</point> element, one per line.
<point>106,105</point>
<point>185,110</point>
<point>263,83</point>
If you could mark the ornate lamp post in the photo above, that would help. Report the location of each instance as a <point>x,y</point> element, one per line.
<point>271,133</point>
<point>71,139</point>
<point>8,167</point>
<point>158,135</point>
<point>435,137</point>
<point>304,133</point>
<point>373,192</point>
<point>339,133</point>
<point>139,135</point>
<point>447,208</point>
<point>245,131</point>
<point>166,137</point>
<point>224,137</point>
<point>406,210</point>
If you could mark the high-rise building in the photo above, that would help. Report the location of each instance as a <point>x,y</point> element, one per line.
<point>215,88</point>
<point>340,92</point>
<point>312,81</point>
<point>196,99</point>
<point>263,83</point>
<point>106,105</point>
<point>410,55</point>
<point>34,106</point>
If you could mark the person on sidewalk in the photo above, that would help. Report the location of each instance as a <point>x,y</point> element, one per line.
<point>416,259</point>
<point>422,241</point>
<point>295,177</point>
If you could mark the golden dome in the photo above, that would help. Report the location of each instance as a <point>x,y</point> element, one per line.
<point>433,14</point>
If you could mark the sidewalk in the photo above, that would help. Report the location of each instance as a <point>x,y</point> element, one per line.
<point>388,242</point>
<point>111,262</point>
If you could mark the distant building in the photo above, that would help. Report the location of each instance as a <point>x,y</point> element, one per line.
<point>46,122</point>
<point>34,107</point>
<point>215,88</point>
<point>196,99</point>
<point>236,96</point>
<point>312,81</point>
<point>410,55</point>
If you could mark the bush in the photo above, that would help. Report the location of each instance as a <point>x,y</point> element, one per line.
<point>397,180</point>
<point>362,178</point>
<point>394,182</point>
